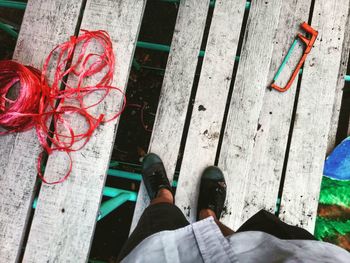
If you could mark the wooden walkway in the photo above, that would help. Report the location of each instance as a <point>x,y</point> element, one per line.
<point>261,143</point>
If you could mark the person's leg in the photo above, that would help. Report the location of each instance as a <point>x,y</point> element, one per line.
<point>226,231</point>
<point>163,196</point>
<point>211,200</point>
<point>161,214</point>
<point>212,195</point>
<point>266,222</point>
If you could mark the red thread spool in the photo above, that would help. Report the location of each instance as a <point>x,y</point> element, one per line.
<point>20,113</point>
<point>39,103</point>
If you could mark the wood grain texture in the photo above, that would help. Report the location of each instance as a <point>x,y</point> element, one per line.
<point>272,130</point>
<point>176,90</point>
<point>45,24</point>
<point>339,90</point>
<point>314,112</point>
<point>209,105</point>
<point>65,217</point>
<point>245,106</point>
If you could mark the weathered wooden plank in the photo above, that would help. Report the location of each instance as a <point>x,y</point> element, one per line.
<point>339,90</point>
<point>270,141</point>
<point>315,107</point>
<point>176,90</point>
<point>209,106</point>
<point>247,99</point>
<point>45,24</point>
<point>65,217</point>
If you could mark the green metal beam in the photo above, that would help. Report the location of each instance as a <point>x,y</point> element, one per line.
<point>8,30</point>
<point>117,163</point>
<point>164,48</point>
<point>113,192</point>
<point>110,205</point>
<point>153,46</point>
<point>135,64</point>
<point>125,175</point>
<point>35,203</point>
<point>96,261</point>
<point>13,4</point>
<point>109,192</point>
<point>129,175</point>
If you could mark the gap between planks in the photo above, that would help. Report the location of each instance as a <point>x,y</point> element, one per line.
<point>209,106</point>
<point>314,113</point>
<point>240,133</point>
<point>176,90</point>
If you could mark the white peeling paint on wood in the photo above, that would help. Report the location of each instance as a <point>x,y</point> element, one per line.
<point>176,90</point>
<point>272,130</point>
<point>245,106</point>
<point>315,108</point>
<point>65,217</point>
<point>210,102</point>
<point>45,24</point>
<point>339,91</point>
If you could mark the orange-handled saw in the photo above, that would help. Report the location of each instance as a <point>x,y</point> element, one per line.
<point>309,43</point>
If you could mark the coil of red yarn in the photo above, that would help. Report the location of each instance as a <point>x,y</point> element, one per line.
<point>18,113</point>
<point>30,98</point>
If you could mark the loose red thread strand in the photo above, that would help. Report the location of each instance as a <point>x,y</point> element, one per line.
<point>39,103</point>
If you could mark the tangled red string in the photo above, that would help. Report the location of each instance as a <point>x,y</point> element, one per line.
<point>39,103</point>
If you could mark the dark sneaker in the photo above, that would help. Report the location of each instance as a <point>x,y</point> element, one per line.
<point>212,191</point>
<point>154,175</point>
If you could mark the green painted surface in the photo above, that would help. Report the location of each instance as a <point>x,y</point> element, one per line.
<point>333,220</point>
<point>327,229</point>
<point>335,192</point>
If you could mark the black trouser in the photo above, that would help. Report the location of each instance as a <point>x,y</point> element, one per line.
<point>165,216</point>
